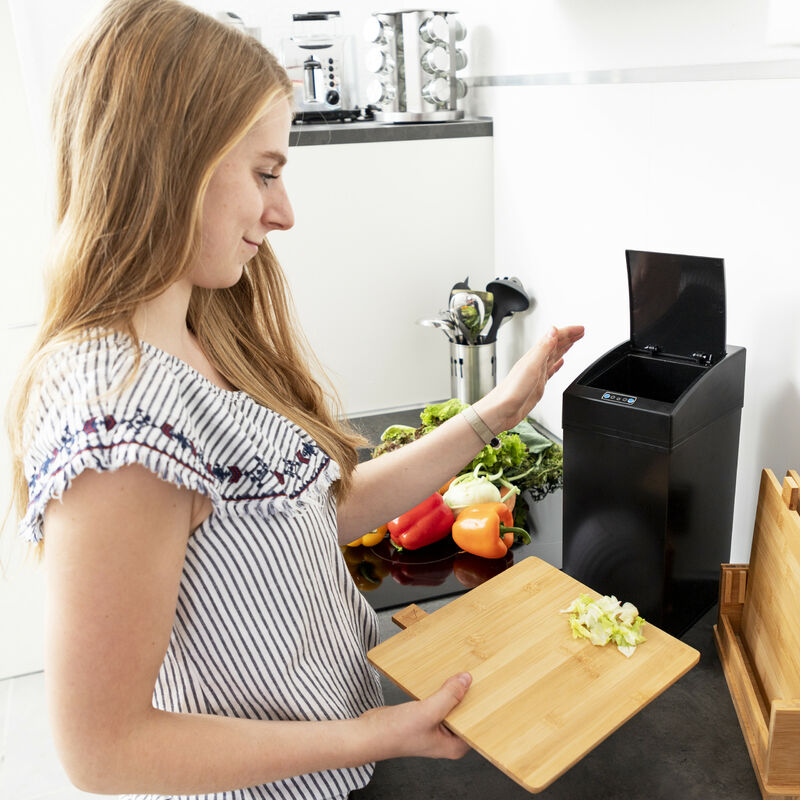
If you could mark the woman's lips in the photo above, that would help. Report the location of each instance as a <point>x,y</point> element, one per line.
<point>254,245</point>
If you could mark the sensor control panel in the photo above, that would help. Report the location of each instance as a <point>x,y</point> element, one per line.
<point>624,399</point>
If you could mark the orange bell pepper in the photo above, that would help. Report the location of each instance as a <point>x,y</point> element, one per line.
<point>486,530</point>
<point>443,489</point>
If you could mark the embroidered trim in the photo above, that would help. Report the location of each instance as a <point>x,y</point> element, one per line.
<point>232,473</point>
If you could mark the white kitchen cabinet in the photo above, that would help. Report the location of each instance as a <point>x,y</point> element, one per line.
<point>383,230</point>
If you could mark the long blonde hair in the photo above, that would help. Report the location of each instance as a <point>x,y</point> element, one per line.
<point>150,100</point>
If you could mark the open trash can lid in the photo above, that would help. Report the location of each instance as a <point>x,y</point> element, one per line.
<point>677,304</point>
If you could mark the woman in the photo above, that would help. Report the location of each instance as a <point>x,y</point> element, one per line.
<point>203,634</point>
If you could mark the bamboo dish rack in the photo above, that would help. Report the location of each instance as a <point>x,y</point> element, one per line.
<point>758,638</point>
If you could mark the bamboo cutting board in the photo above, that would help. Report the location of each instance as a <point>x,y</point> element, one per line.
<point>770,623</point>
<point>539,700</point>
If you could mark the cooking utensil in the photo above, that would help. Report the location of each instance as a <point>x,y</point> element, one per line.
<point>539,699</point>
<point>471,308</point>
<point>443,323</point>
<point>465,336</point>
<point>461,286</point>
<point>509,297</point>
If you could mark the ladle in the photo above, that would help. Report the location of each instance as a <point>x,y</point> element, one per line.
<point>509,296</point>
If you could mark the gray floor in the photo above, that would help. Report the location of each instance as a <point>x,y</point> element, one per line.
<point>686,744</point>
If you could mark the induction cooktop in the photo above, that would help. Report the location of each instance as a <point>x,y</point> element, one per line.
<point>390,578</point>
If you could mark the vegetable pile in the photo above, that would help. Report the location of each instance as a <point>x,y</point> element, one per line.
<point>606,620</point>
<point>478,506</point>
<point>526,461</point>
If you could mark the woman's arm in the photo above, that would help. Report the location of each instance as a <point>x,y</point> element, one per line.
<point>115,548</point>
<point>394,483</point>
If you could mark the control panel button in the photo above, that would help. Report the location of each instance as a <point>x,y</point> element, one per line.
<point>614,397</point>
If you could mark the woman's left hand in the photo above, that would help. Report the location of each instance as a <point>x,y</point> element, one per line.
<point>512,399</point>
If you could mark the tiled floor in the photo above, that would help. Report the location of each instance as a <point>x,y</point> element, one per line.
<point>29,767</point>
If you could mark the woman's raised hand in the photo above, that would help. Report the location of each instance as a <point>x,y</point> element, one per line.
<point>513,398</point>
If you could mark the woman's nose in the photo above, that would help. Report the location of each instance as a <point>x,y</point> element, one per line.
<point>278,212</point>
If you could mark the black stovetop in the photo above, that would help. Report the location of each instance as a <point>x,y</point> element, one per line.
<point>390,578</point>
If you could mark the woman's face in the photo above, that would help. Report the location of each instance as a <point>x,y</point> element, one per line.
<point>245,200</point>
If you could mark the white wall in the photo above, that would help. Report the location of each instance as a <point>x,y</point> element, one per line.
<point>584,171</point>
<point>23,239</point>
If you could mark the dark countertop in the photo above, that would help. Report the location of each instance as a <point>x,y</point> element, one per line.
<point>355,132</point>
<point>686,744</point>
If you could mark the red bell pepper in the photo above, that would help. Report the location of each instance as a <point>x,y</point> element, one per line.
<point>425,524</point>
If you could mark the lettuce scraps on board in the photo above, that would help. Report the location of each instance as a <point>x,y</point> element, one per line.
<point>606,620</point>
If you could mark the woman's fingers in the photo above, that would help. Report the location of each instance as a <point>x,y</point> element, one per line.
<point>451,693</point>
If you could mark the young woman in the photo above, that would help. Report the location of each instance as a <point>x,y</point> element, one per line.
<point>204,637</point>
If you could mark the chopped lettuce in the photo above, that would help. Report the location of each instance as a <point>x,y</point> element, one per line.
<point>606,620</point>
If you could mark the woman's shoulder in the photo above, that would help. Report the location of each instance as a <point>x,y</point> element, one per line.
<point>100,409</point>
<point>111,368</point>
<point>96,362</point>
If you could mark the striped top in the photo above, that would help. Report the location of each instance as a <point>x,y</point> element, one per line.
<point>268,624</point>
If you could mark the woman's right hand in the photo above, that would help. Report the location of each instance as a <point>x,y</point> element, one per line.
<point>416,728</point>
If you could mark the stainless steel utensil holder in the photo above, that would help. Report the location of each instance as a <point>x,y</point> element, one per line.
<point>473,370</point>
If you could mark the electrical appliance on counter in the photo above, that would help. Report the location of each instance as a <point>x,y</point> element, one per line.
<point>235,21</point>
<point>414,57</point>
<point>651,437</point>
<point>318,60</point>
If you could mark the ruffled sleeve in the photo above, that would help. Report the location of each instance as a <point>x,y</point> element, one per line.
<point>92,411</point>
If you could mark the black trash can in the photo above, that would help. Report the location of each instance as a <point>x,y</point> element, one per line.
<point>651,439</point>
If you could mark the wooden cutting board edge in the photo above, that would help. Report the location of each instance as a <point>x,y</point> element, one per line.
<point>693,657</point>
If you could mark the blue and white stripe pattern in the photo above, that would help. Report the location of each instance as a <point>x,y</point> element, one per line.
<point>268,624</point>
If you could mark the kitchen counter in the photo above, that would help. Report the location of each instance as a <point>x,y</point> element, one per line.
<point>370,131</point>
<point>686,744</point>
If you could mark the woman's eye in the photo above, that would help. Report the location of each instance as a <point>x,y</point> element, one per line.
<point>266,177</point>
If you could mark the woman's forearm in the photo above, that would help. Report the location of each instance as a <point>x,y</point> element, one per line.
<point>178,754</point>
<point>390,485</point>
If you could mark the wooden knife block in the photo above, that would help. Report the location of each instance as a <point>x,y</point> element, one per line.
<point>758,638</point>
